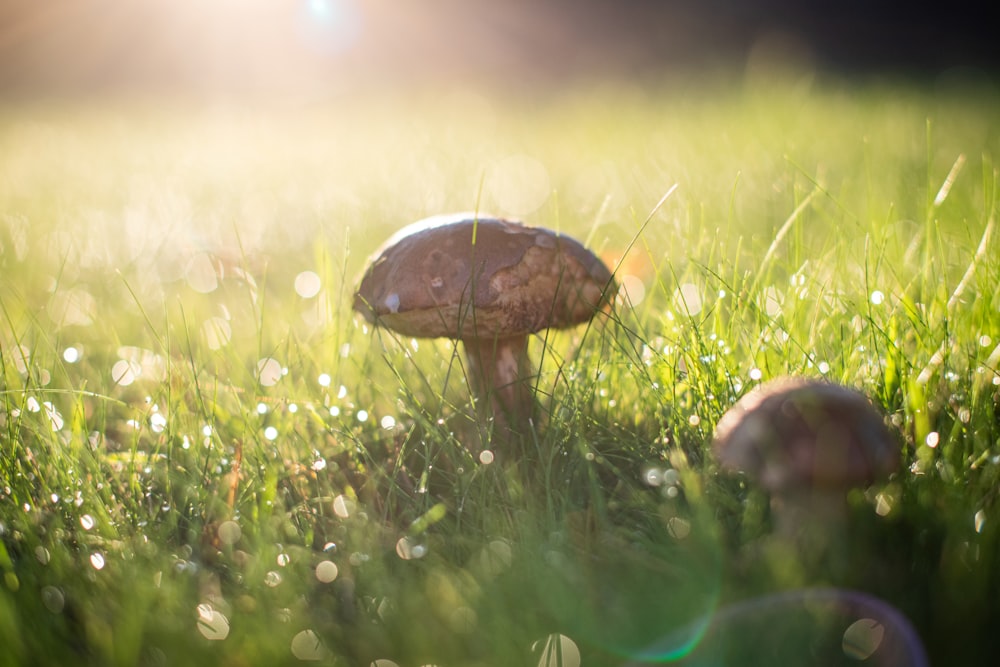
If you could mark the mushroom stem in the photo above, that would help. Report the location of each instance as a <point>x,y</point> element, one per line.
<point>500,375</point>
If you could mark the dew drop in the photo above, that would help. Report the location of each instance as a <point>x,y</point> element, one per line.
<point>271,433</point>
<point>262,408</point>
<point>932,439</point>
<point>388,422</point>
<point>756,374</point>
<point>71,355</point>
<point>87,521</point>
<point>324,379</point>
<point>283,559</point>
<point>877,297</point>
<point>97,560</point>
<point>362,415</point>
<point>486,457</point>
<point>979,521</point>
<point>272,578</point>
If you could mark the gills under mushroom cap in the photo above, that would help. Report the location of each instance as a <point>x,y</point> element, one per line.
<point>465,277</point>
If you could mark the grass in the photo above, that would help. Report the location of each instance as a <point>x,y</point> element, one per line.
<point>205,462</point>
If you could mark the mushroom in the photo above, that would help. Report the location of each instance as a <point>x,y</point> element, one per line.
<point>488,282</point>
<point>807,442</point>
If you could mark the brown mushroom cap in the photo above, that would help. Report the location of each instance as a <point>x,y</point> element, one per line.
<point>465,277</point>
<point>794,432</point>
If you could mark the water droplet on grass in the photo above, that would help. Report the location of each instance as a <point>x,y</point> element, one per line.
<point>53,599</point>
<point>324,379</point>
<point>97,560</point>
<point>388,422</point>
<point>932,439</point>
<point>877,297</point>
<point>71,355</point>
<point>362,415</point>
<point>262,408</point>
<point>87,522</point>
<point>283,559</point>
<point>272,578</point>
<point>979,521</point>
<point>271,433</point>
<point>486,457</point>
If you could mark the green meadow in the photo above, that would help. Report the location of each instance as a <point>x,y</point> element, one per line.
<point>207,458</point>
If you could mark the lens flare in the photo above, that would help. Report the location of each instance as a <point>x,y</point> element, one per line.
<point>808,626</point>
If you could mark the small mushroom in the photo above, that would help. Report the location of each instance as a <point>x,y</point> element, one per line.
<point>807,442</point>
<point>490,283</point>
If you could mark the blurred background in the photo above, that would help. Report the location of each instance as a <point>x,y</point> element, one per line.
<point>318,48</point>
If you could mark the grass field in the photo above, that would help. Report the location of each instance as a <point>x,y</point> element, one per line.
<point>208,459</point>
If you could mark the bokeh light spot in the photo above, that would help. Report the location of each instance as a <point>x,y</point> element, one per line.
<point>862,638</point>
<point>306,646</point>
<point>269,371</point>
<point>327,571</point>
<point>519,184</point>
<point>307,284</point>
<point>212,624</point>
